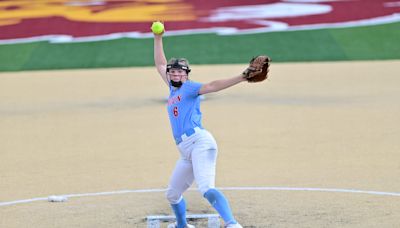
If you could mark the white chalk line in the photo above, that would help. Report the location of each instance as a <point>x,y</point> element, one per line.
<point>335,190</point>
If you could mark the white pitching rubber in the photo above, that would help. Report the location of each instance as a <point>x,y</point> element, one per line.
<point>57,198</point>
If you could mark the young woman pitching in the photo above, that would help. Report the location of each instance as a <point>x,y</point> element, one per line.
<point>197,147</point>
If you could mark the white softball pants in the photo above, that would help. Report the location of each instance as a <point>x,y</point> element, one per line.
<point>198,156</point>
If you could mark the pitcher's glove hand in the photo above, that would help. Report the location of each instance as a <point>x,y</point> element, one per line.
<point>257,70</point>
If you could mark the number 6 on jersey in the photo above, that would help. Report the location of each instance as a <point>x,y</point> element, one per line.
<point>176,111</point>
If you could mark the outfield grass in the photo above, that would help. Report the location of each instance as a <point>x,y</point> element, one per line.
<point>360,43</point>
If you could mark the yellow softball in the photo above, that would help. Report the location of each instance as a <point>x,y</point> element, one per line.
<point>157,27</point>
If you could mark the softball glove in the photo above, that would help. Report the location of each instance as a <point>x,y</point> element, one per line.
<point>257,70</point>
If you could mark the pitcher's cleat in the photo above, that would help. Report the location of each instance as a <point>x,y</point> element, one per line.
<point>173,225</point>
<point>237,225</point>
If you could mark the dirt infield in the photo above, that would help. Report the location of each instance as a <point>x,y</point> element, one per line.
<point>304,143</point>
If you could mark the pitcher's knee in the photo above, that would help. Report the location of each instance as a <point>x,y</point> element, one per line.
<point>173,196</point>
<point>210,194</point>
<point>203,188</point>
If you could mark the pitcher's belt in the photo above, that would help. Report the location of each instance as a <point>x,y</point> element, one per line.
<point>186,134</point>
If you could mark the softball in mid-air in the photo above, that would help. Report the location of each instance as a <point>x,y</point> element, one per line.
<point>157,27</point>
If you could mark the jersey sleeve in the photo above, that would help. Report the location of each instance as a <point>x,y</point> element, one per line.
<point>193,88</point>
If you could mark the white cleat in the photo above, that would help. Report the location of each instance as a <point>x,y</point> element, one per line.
<point>173,225</point>
<point>237,225</point>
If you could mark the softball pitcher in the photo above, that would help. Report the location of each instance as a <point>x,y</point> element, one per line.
<point>197,147</point>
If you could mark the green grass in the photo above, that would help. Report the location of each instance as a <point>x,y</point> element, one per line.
<point>13,57</point>
<point>360,43</point>
<point>366,43</point>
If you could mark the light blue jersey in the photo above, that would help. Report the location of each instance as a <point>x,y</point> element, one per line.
<point>184,108</point>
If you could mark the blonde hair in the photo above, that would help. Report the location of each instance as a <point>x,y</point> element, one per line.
<point>181,61</point>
